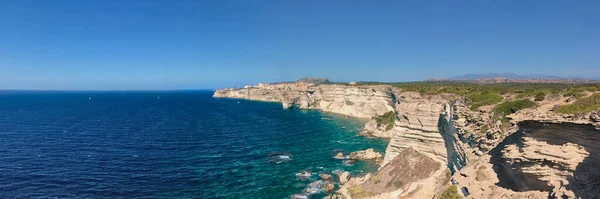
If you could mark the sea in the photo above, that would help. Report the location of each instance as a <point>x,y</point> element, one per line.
<point>169,144</point>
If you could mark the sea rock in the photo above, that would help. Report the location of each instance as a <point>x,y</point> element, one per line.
<point>337,172</point>
<point>339,155</point>
<point>368,154</point>
<point>329,186</point>
<point>344,177</point>
<point>325,176</point>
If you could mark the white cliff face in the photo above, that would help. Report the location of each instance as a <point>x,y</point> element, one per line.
<point>424,124</point>
<point>356,101</point>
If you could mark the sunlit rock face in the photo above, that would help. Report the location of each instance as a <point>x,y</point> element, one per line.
<point>356,101</point>
<point>424,123</point>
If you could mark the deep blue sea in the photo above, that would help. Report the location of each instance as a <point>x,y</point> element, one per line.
<point>182,144</point>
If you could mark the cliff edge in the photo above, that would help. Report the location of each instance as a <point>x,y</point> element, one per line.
<point>482,135</point>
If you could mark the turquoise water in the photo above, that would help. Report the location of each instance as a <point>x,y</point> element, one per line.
<point>166,145</point>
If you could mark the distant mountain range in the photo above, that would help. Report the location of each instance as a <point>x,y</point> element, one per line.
<point>512,77</point>
<point>506,75</point>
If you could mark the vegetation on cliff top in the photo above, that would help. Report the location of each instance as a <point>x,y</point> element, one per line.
<point>511,107</point>
<point>582,105</point>
<point>487,94</point>
<point>478,99</point>
<point>465,88</point>
<point>451,193</point>
<point>386,119</point>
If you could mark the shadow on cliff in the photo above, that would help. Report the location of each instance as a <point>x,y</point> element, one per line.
<point>585,182</point>
<point>456,157</point>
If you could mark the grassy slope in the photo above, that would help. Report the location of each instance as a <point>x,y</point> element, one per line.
<point>488,94</point>
<point>582,105</point>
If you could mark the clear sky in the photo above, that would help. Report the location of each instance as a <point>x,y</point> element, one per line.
<point>196,44</point>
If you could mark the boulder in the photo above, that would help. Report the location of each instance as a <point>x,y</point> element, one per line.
<point>329,186</point>
<point>325,176</point>
<point>344,177</point>
<point>368,154</point>
<point>339,155</point>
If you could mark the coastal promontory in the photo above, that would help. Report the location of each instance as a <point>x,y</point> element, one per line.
<point>461,139</point>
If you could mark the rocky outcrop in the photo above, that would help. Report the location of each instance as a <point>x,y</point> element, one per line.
<point>344,177</point>
<point>479,180</point>
<point>540,160</point>
<point>410,174</point>
<point>372,129</point>
<point>557,158</point>
<point>368,154</point>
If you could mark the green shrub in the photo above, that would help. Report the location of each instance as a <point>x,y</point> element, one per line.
<point>540,96</point>
<point>582,105</point>
<point>590,88</point>
<point>386,119</point>
<point>451,193</point>
<point>484,129</point>
<point>483,98</point>
<point>579,95</point>
<point>507,108</point>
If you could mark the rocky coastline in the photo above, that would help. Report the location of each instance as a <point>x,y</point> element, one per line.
<point>443,144</point>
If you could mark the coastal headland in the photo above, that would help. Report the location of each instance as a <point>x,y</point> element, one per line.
<point>453,139</point>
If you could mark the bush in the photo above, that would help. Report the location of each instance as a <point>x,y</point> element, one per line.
<point>582,105</point>
<point>507,108</point>
<point>386,119</point>
<point>540,96</point>
<point>484,129</point>
<point>451,193</point>
<point>483,98</point>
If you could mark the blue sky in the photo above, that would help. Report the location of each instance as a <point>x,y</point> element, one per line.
<point>208,44</point>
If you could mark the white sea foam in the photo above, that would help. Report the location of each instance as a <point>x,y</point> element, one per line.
<point>299,196</point>
<point>304,175</point>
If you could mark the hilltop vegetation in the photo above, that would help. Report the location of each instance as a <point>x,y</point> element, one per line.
<point>488,94</point>
<point>511,107</point>
<point>481,98</point>
<point>464,88</point>
<point>582,105</point>
<point>450,193</point>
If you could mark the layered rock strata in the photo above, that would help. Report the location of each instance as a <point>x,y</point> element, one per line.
<point>441,129</point>
<point>356,101</point>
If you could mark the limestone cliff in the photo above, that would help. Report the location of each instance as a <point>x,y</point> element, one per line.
<point>356,101</point>
<point>424,123</point>
<point>441,130</point>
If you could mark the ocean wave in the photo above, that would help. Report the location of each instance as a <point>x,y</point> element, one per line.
<point>305,175</point>
<point>280,157</point>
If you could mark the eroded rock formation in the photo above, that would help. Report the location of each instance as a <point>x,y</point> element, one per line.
<point>356,101</point>
<point>490,157</point>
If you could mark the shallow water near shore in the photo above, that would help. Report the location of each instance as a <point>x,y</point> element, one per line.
<point>166,145</point>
